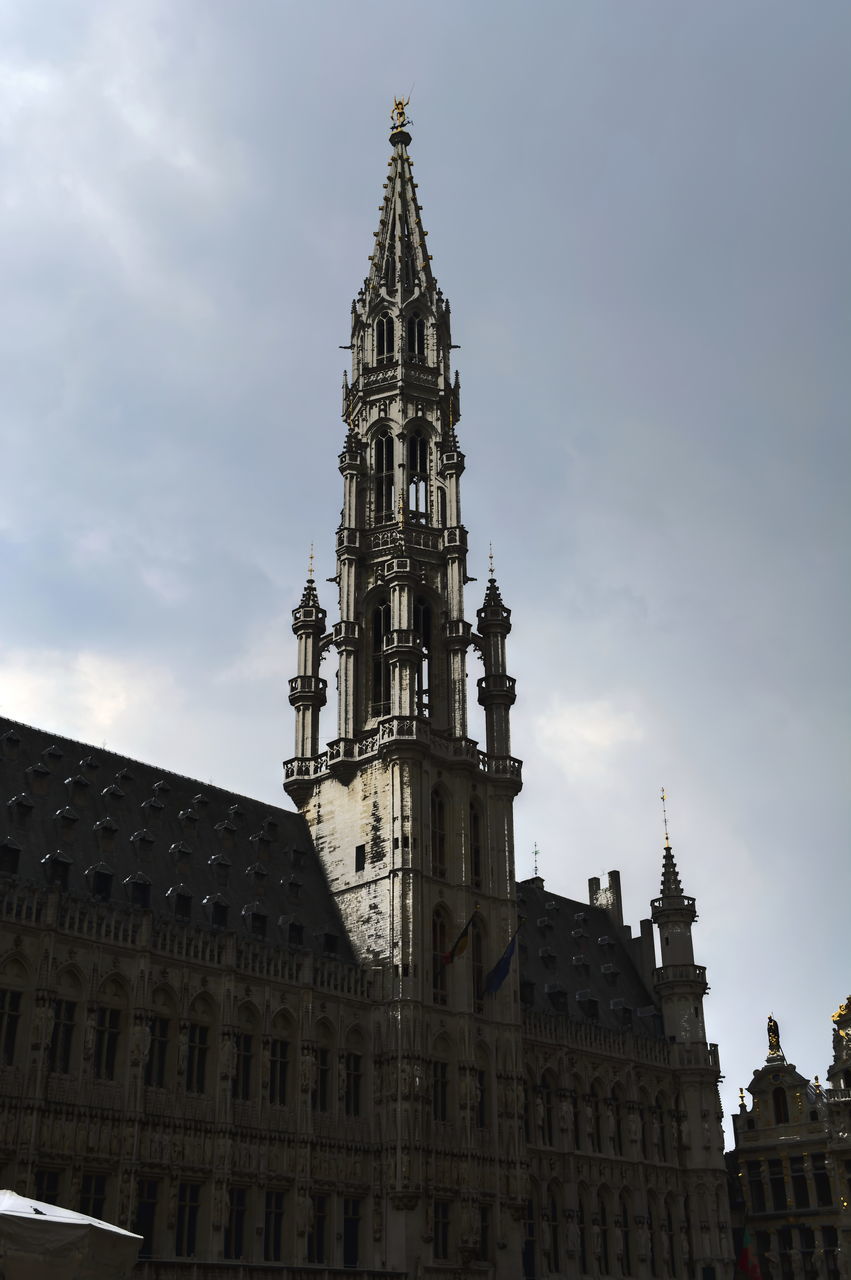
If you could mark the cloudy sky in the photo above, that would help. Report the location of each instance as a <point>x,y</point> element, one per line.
<point>640,214</point>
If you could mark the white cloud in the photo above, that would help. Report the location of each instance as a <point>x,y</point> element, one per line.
<point>583,738</point>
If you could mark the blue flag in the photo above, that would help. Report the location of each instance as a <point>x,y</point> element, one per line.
<point>500,971</point>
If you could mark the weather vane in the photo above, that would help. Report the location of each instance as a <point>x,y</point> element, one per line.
<point>665,817</point>
<point>399,118</point>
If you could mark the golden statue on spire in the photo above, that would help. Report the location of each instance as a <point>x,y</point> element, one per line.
<point>399,118</point>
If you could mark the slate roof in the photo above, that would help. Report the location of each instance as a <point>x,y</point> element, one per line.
<point>114,829</point>
<point>575,961</point>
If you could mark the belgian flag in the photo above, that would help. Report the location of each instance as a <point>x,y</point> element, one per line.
<point>459,946</point>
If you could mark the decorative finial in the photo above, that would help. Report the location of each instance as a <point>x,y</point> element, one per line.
<point>310,563</point>
<point>742,1103</point>
<point>665,819</point>
<point>400,510</point>
<point>490,559</point>
<point>399,118</point>
<point>535,857</point>
<point>817,1085</point>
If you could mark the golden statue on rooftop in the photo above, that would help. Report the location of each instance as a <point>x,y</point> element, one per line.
<point>399,118</point>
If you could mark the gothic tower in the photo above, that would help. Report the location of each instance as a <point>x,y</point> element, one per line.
<point>412,820</point>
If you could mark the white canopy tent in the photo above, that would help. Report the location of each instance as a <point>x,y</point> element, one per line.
<point>43,1242</point>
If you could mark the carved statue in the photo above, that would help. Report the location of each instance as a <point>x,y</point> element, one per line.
<point>773,1035</point>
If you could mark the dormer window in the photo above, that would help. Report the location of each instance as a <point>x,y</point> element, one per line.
<point>10,853</point>
<point>221,869</point>
<point>57,867</point>
<point>416,336</point>
<point>181,903</point>
<point>138,887</point>
<point>100,879</point>
<point>218,910</point>
<point>255,919</point>
<point>384,338</point>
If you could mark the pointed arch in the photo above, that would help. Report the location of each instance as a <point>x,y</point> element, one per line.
<point>385,338</point>
<point>384,458</point>
<point>380,666</point>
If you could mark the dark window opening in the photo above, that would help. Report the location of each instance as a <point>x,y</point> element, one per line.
<point>351,1232</point>
<point>107,1024</point>
<point>380,664</point>
<point>241,1082</point>
<point>800,1190</point>
<point>57,869</point>
<point>219,915</point>
<point>530,1270</point>
<point>10,1013</point>
<point>296,934</point>
<point>320,1094</point>
<point>777,1183</point>
<point>384,338</point>
<point>477,969</point>
<point>438,951</point>
<point>484,1246</point>
<point>354,1077</point>
<point>755,1186</point>
<point>93,1194</point>
<point>384,478</point>
<point>234,1242</point>
<point>821,1180</point>
<point>196,1057</point>
<point>146,1214</point>
<point>438,835</point>
<point>415,332</point>
<point>360,857</point>
<point>47,1186</point>
<point>317,1232</point>
<point>279,1053</point>
<point>781,1106</point>
<point>273,1227</point>
<point>9,858</point>
<point>186,1223</point>
<point>418,477</point>
<point>422,628</point>
<point>155,1064</point>
<point>475,846</point>
<point>62,1038</point>
<point>101,885</point>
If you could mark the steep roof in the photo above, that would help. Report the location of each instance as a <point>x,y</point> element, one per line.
<point>574,960</point>
<point>211,859</point>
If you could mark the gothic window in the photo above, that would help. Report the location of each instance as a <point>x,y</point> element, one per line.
<point>62,1039</point>
<point>384,486</point>
<point>594,1118</point>
<point>439,948</point>
<point>155,1066</point>
<point>320,1094</point>
<point>279,1053</point>
<point>10,1013</point>
<point>351,1231</point>
<point>625,1236</point>
<point>186,1223</point>
<point>316,1235</point>
<point>354,1077</point>
<point>616,1126</point>
<point>241,1082</point>
<point>484,1251</point>
<point>197,1046</point>
<point>384,338</point>
<point>476,845</point>
<point>422,628</point>
<point>438,835</point>
<point>418,477</point>
<point>146,1214</point>
<point>781,1106</point>
<point>93,1194</point>
<point>234,1242</point>
<point>604,1236</point>
<point>529,1263</point>
<point>273,1227</point>
<point>441,506</point>
<point>380,664</point>
<point>416,336</point>
<point>554,1229</point>
<point>107,1024</point>
<point>546,1110</point>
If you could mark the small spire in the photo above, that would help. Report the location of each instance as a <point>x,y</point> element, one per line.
<point>671,886</point>
<point>310,564</point>
<point>535,857</point>
<point>490,561</point>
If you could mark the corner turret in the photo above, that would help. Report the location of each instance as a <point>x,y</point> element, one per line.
<point>496,688</point>
<point>307,689</point>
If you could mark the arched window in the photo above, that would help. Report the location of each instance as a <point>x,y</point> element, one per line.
<point>422,628</point>
<point>416,336</point>
<point>475,846</point>
<point>604,1236</point>
<point>380,665</point>
<point>438,835</point>
<point>554,1242</point>
<point>418,477</point>
<point>439,948</point>
<point>781,1105</point>
<point>384,338</point>
<point>384,487</point>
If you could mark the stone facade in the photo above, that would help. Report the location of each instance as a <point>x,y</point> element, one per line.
<point>792,1163</point>
<point>347,1037</point>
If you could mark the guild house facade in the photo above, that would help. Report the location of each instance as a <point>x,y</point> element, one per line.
<point>345,1038</point>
